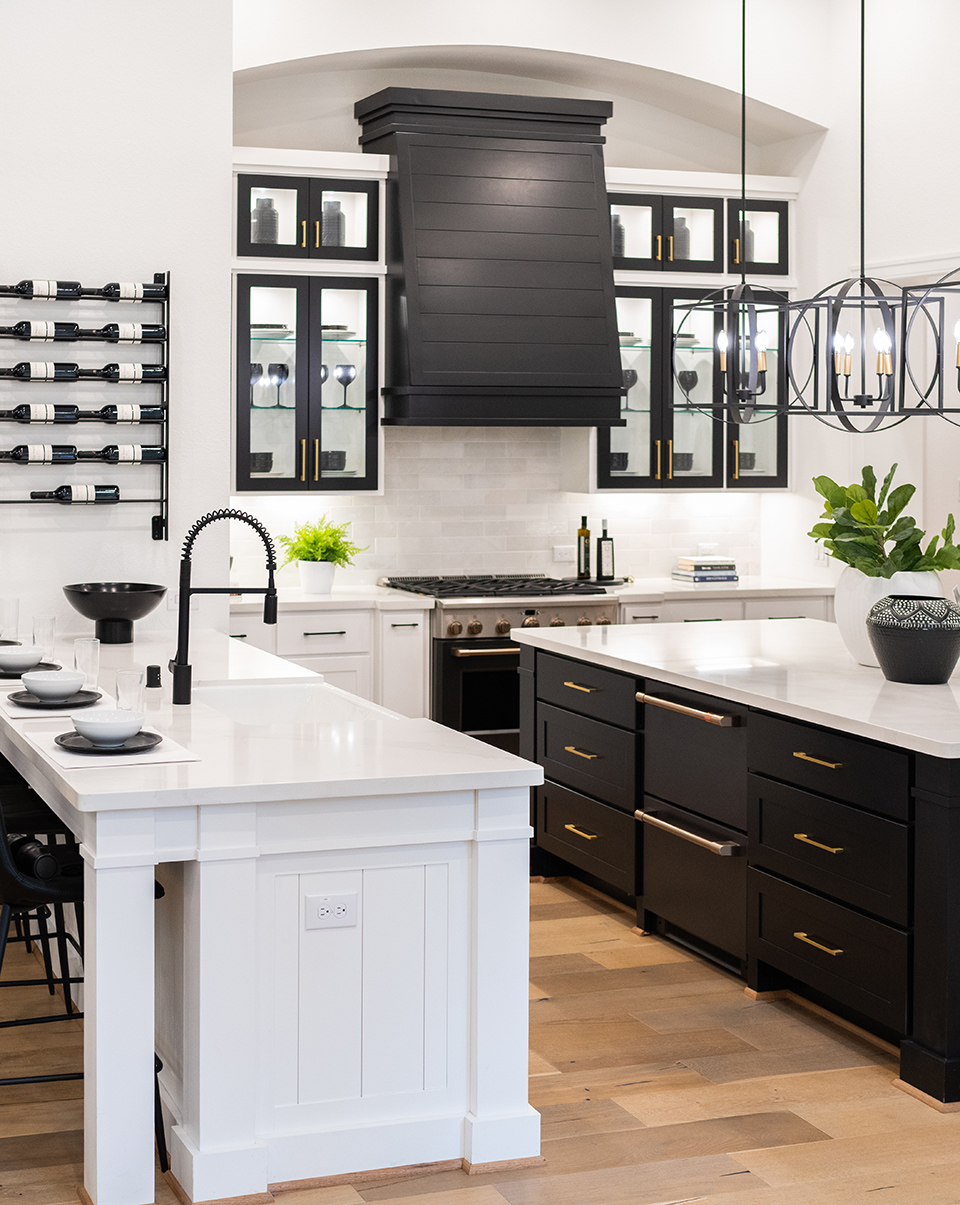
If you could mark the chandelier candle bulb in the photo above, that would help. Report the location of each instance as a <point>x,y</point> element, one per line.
<point>847,355</point>
<point>722,349</point>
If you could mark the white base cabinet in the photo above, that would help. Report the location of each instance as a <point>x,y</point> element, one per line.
<point>704,610</point>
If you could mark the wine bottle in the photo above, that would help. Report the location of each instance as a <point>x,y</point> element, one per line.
<point>42,332</point>
<point>44,290</point>
<point>41,454</point>
<point>125,414</point>
<point>42,370</point>
<point>43,413</point>
<point>124,291</point>
<point>126,454</point>
<point>583,549</point>
<point>128,332</point>
<point>69,495</point>
<point>604,555</point>
<point>126,374</point>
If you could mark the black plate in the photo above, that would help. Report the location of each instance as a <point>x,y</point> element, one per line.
<point>83,698</point>
<point>18,673</point>
<point>73,742</point>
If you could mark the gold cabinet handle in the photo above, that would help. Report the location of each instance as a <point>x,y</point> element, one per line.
<point>580,753</point>
<point>572,828</point>
<point>710,717</point>
<point>659,254</point>
<point>483,652</point>
<point>736,459</point>
<point>316,237</point>
<point>725,849</point>
<point>816,944</point>
<point>831,765</point>
<point>303,460</point>
<point>670,251</point>
<point>587,690</point>
<point>830,849</point>
<point>316,460</point>
<point>657,477</point>
<point>303,234</point>
<point>736,250</point>
<point>669,459</point>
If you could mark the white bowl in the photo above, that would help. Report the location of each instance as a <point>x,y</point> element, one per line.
<point>15,658</point>
<point>53,685</point>
<point>108,729</point>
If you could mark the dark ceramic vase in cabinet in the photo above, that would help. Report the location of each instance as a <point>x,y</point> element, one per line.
<point>917,640</point>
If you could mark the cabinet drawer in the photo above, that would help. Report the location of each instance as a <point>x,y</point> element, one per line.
<point>858,961</point>
<point>353,674</point>
<point>250,629</point>
<point>857,857</point>
<point>587,689</point>
<point>697,889</point>
<point>324,632</point>
<point>588,755</point>
<point>785,608</point>
<point>701,611</point>
<point>831,763</point>
<point>599,839</point>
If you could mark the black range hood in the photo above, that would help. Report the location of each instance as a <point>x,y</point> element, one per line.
<point>500,302</point>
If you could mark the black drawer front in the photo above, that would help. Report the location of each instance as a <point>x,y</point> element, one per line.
<point>698,765</point>
<point>587,689</point>
<point>692,887</point>
<point>869,973</point>
<point>857,857</point>
<point>874,776</point>
<point>599,839</point>
<point>587,755</point>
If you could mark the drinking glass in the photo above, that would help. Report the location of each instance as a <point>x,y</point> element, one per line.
<point>86,659</point>
<point>130,689</point>
<point>44,634</point>
<point>9,618</point>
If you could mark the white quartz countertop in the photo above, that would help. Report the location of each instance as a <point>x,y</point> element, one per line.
<point>344,597</point>
<point>269,731</point>
<point>657,589</point>
<point>792,667</point>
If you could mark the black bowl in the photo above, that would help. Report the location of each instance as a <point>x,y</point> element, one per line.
<point>114,606</point>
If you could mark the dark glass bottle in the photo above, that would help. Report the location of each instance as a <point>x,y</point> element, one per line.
<point>583,549</point>
<point>45,412</point>
<point>127,374</point>
<point>42,332</point>
<point>45,290</point>
<point>42,370</point>
<point>128,332</point>
<point>69,495</point>
<point>126,414</point>
<point>127,454</point>
<point>41,454</point>
<point>125,291</point>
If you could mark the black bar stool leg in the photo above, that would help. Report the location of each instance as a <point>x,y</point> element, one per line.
<point>44,941</point>
<point>158,1116</point>
<point>61,935</point>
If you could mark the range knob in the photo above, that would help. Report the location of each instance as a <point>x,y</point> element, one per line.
<point>603,619</point>
<point>583,622</point>
<point>557,622</point>
<point>503,626</point>
<point>474,627</point>
<point>530,620</point>
<point>454,627</point>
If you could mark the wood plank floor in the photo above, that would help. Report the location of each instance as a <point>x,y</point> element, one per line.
<point>659,1083</point>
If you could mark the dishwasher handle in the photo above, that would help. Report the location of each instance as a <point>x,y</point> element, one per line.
<point>710,717</point>
<point>724,849</point>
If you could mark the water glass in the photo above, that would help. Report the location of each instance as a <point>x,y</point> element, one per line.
<point>44,634</point>
<point>86,659</point>
<point>130,689</point>
<point>9,618</point>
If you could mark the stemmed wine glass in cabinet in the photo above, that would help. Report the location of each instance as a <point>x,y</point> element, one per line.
<point>278,374</point>
<point>344,374</point>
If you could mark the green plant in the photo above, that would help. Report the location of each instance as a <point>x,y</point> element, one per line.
<point>873,535</point>
<point>320,541</point>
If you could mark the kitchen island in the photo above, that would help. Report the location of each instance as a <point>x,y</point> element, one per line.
<point>341,977</point>
<point>768,802</point>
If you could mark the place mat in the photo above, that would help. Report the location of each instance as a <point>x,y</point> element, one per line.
<point>13,712</point>
<point>167,751</point>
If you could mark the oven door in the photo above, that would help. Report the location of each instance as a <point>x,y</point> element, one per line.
<point>476,689</point>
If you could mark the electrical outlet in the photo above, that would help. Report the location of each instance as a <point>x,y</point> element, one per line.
<point>330,911</point>
<point>565,552</point>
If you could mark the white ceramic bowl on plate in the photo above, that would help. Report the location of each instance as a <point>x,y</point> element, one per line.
<point>15,658</point>
<point>108,729</point>
<point>53,685</point>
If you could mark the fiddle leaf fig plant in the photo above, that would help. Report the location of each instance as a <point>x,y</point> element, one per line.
<point>872,533</point>
<point>320,541</point>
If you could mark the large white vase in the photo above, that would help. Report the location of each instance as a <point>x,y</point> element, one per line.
<point>316,577</point>
<point>856,594</point>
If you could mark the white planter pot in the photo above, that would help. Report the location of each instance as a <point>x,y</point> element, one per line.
<point>856,594</point>
<point>316,577</point>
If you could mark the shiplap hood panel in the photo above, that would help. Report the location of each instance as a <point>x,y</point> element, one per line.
<point>500,301</point>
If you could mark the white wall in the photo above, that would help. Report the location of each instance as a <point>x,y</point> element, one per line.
<point>116,139</point>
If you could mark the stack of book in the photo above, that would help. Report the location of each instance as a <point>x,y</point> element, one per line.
<point>705,569</point>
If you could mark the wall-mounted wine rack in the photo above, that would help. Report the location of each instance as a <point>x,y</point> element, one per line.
<point>32,375</point>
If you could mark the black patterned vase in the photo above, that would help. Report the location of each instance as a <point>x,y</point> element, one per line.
<point>915,639</point>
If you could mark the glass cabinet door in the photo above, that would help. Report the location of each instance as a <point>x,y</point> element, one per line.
<point>693,423</point>
<point>635,235</point>
<point>628,455</point>
<point>272,216</point>
<point>693,234</point>
<point>757,451</point>
<point>758,246</point>
<point>344,219</point>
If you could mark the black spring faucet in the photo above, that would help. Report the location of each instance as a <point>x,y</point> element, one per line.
<point>180,666</point>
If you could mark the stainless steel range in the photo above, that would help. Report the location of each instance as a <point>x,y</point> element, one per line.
<point>475,687</point>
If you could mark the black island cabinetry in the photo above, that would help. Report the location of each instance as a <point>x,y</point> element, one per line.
<point>795,855</point>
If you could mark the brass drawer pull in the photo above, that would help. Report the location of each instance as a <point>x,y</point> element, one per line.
<point>830,849</point>
<point>831,765</point>
<point>816,944</point>
<point>587,690</point>
<point>580,753</point>
<point>725,849</point>
<point>721,721</point>
<point>572,828</point>
<point>483,652</point>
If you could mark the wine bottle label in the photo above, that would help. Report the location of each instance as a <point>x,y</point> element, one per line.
<point>44,289</point>
<point>42,370</point>
<point>130,332</point>
<point>131,373</point>
<point>129,454</point>
<point>42,332</point>
<point>40,453</point>
<point>130,292</point>
<point>82,493</point>
<point>43,414</point>
<point>128,414</point>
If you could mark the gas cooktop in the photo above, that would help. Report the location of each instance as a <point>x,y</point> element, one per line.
<point>498,585</point>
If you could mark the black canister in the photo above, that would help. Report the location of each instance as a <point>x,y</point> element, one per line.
<point>916,639</point>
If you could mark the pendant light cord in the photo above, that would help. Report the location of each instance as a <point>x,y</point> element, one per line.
<point>863,72</point>
<point>743,140</point>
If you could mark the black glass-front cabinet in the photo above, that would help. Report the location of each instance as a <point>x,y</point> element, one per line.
<point>293,217</point>
<point>307,390</point>
<point>676,434</point>
<point>666,234</point>
<point>759,244</point>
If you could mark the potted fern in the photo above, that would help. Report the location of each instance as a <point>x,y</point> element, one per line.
<point>318,548</point>
<point>882,548</point>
